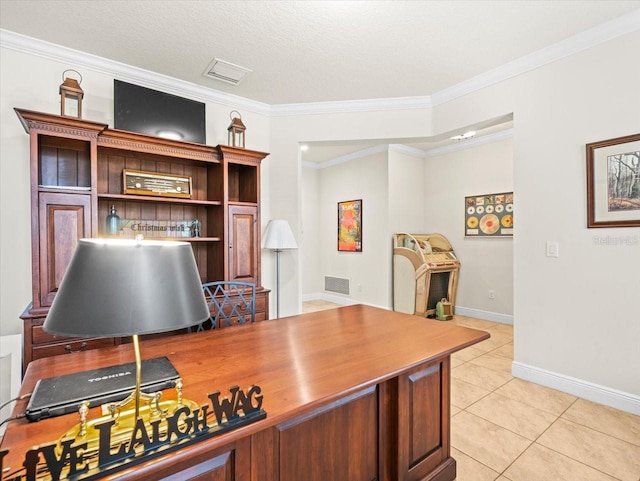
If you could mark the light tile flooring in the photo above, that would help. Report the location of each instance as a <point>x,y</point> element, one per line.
<point>507,429</point>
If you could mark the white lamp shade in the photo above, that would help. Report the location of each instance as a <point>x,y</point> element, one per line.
<point>278,236</point>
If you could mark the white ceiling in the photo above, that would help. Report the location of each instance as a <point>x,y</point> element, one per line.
<point>312,51</point>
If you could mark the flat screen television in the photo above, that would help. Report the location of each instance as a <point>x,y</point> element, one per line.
<point>147,111</point>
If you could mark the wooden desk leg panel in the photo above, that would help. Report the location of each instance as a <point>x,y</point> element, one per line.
<point>424,423</point>
<point>396,431</point>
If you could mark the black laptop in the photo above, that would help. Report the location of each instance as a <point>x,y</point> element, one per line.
<point>59,395</point>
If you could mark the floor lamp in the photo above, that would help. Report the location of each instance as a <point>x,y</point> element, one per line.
<point>278,237</point>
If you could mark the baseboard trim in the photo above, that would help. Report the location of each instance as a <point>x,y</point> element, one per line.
<point>463,311</point>
<point>338,299</point>
<point>577,387</point>
<point>486,315</point>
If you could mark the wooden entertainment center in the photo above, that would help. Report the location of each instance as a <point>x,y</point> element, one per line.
<point>77,175</point>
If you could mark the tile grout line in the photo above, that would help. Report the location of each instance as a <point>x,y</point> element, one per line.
<point>565,455</point>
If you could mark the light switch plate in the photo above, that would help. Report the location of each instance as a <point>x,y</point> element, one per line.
<point>553,249</point>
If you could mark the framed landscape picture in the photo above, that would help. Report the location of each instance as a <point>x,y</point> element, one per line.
<point>489,215</point>
<point>350,226</point>
<point>613,182</point>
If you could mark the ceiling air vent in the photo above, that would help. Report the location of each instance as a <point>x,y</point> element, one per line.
<point>226,72</point>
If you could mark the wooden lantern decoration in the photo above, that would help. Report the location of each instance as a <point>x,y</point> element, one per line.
<point>236,130</point>
<point>71,96</point>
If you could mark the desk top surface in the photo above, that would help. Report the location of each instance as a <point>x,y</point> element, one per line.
<point>300,362</point>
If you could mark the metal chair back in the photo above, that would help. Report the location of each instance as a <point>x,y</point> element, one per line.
<point>230,303</point>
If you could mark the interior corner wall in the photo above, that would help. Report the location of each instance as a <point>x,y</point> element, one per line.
<point>485,263</point>
<point>368,271</point>
<point>575,316</point>
<point>287,179</point>
<point>310,230</point>
<point>406,193</point>
<point>567,323</point>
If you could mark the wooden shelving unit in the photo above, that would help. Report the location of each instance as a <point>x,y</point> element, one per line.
<point>77,174</point>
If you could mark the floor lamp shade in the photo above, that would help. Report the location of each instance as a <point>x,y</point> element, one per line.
<point>278,236</point>
<point>117,287</point>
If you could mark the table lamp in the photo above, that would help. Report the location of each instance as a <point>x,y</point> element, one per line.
<point>127,287</point>
<point>278,237</point>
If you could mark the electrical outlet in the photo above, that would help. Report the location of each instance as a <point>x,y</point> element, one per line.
<point>492,294</point>
<point>359,288</point>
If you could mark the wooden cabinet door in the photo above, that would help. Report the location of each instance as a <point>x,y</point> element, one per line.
<point>63,218</point>
<point>243,245</point>
<point>336,442</point>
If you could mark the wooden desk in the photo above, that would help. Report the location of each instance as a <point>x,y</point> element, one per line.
<point>351,394</point>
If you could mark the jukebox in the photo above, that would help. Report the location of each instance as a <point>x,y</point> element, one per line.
<point>425,271</point>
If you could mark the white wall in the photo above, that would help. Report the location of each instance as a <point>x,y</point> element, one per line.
<point>368,271</point>
<point>390,176</point>
<point>568,332</point>
<point>565,321</point>
<point>426,196</point>
<point>486,263</point>
<point>285,201</point>
<point>311,280</point>
<point>406,193</point>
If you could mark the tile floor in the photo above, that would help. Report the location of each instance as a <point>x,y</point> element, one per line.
<point>507,429</point>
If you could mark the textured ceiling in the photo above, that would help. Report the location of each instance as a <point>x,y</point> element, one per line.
<point>309,51</point>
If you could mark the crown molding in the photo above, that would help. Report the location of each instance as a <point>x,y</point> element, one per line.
<point>469,143</point>
<point>349,106</point>
<point>408,150</point>
<point>600,34</point>
<point>128,73</point>
<point>376,149</point>
<point>589,38</point>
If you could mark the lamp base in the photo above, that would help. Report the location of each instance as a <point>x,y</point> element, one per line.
<point>125,415</point>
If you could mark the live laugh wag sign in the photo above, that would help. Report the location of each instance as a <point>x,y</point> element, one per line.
<point>70,458</point>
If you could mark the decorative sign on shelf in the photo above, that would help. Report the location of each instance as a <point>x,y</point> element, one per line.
<point>160,228</point>
<point>152,183</point>
<point>489,215</point>
<point>73,458</point>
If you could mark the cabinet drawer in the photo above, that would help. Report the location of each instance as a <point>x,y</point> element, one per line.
<point>70,347</point>
<point>260,304</point>
<point>39,336</point>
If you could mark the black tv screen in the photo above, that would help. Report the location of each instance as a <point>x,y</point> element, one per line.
<point>147,111</point>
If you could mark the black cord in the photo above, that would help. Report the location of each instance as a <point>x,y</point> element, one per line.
<point>19,416</point>
<point>17,398</point>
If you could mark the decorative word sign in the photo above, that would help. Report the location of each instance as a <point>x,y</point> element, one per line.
<point>160,228</point>
<point>59,461</point>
